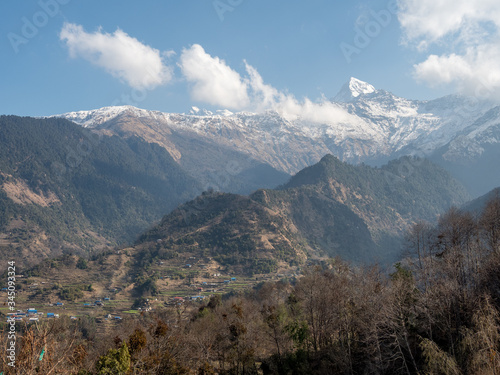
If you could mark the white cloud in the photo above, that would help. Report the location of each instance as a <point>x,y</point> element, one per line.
<point>435,19</point>
<point>323,112</point>
<point>264,96</point>
<point>214,82</point>
<point>475,72</point>
<point>442,69</point>
<point>467,32</point>
<point>137,64</point>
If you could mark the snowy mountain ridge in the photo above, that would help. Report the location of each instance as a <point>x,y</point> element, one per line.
<point>380,124</point>
<point>377,126</point>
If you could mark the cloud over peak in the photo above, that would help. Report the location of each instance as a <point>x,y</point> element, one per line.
<point>214,82</point>
<point>138,65</point>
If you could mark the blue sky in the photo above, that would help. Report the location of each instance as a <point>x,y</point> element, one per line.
<point>68,55</point>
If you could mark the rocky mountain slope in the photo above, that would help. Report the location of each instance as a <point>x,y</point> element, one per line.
<point>329,209</point>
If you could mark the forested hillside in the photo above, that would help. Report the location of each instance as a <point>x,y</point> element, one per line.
<point>330,209</point>
<point>65,188</point>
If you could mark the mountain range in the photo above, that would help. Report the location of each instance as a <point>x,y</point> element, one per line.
<point>107,179</point>
<point>229,151</point>
<point>66,188</point>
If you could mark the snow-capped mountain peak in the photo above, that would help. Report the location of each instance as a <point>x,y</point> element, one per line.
<point>353,89</point>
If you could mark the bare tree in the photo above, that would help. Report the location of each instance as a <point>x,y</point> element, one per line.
<point>489,222</point>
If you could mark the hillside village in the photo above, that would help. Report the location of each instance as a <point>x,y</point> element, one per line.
<point>181,284</point>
